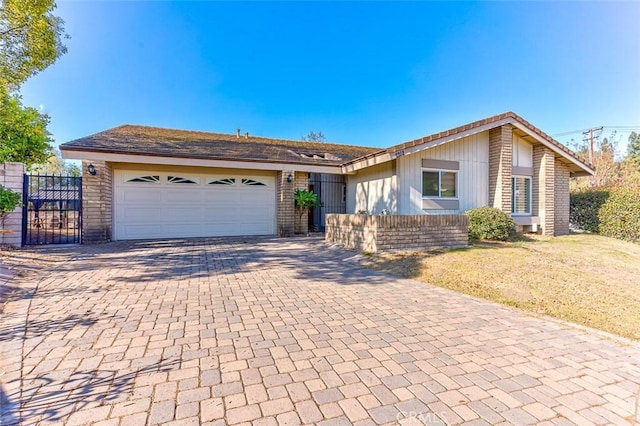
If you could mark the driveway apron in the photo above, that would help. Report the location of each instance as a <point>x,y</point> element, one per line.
<point>287,331</point>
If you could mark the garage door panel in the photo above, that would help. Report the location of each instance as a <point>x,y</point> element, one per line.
<point>144,230</point>
<point>140,195</point>
<point>139,214</point>
<point>169,210</point>
<point>184,230</point>
<point>183,214</point>
<point>187,195</point>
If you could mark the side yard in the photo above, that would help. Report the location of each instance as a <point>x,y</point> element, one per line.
<point>587,279</point>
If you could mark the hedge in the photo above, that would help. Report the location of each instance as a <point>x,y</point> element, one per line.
<point>584,208</point>
<point>620,215</point>
<point>488,223</point>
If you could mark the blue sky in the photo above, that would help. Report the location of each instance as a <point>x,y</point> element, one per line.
<point>366,73</point>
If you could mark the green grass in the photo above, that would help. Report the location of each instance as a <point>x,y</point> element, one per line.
<point>583,278</point>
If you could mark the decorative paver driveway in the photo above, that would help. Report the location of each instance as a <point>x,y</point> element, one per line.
<point>286,331</point>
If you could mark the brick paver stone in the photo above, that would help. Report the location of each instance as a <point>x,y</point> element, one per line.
<point>271,331</point>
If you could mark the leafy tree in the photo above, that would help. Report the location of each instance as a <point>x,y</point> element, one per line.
<point>610,169</point>
<point>55,165</point>
<point>314,137</point>
<point>633,150</point>
<point>23,133</point>
<point>31,39</point>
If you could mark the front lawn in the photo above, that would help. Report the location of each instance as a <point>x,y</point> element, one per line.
<point>587,279</point>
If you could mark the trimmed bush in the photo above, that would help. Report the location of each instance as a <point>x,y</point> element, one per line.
<point>620,215</point>
<point>584,207</point>
<point>488,223</point>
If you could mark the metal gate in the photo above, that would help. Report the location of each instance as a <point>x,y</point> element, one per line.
<point>332,194</point>
<point>52,210</point>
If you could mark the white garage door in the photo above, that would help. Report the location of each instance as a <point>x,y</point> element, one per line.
<point>173,205</point>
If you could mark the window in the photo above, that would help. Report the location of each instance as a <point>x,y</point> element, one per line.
<point>143,179</point>
<point>521,203</point>
<point>223,181</point>
<point>180,179</point>
<point>252,182</point>
<point>439,183</point>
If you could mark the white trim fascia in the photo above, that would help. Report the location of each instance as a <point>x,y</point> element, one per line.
<point>197,162</point>
<point>551,146</point>
<point>386,156</point>
<point>367,162</point>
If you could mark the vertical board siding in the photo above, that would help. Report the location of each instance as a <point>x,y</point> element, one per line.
<point>522,152</point>
<point>471,152</point>
<point>373,190</point>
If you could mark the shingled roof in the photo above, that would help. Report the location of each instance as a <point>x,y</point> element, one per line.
<point>155,141</point>
<point>580,164</point>
<point>161,142</point>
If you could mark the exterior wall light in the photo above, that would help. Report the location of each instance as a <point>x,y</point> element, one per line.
<point>289,178</point>
<point>91,169</point>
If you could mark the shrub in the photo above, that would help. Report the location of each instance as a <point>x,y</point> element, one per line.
<point>305,200</point>
<point>9,200</point>
<point>488,223</point>
<point>620,215</point>
<point>584,207</point>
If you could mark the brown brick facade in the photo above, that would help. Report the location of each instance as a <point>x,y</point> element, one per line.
<point>97,203</point>
<point>301,181</point>
<point>561,198</point>
<point>500,167</point>
<point>543,188</point>
<point>12,177</point>
<point>370,233</point>
<point>289,221</point>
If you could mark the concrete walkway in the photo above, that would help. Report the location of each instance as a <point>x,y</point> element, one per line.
<point>286,331</point>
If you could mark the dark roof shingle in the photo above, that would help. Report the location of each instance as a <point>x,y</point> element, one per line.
<point>155,141</point>
<point>471,126</point>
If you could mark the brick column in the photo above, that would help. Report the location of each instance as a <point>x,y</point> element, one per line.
<point>561,198</point>
<point>543,187</point>
<point>97,203</point>
<point>12,177</point>
<point>285,204</point>
<point>301,181</point>
<point>500,167</point>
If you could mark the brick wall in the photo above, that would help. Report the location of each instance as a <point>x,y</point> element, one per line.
<point>543,188</point>
<point>397,232</point>
<point>301,181</point>
<point>561,199</point>
<point>12,177</point>
<point>285,204</point>
<point>500,167</point>
<point>97,203</point>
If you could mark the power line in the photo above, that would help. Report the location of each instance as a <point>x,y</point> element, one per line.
<point>571,132</point>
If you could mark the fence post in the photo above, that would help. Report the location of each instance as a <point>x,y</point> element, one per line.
<point>11,177</point>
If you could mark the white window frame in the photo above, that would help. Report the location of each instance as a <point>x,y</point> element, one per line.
<point>513,195</point>
<point>439,196</point>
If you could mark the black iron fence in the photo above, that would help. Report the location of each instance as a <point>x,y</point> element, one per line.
<point>52,210</point>
<point>332,194</point>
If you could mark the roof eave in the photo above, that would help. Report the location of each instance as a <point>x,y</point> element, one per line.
<point>146,158</point>
<point>417,146</point>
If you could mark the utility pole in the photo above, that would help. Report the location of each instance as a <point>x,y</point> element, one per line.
<point>591,134</point>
